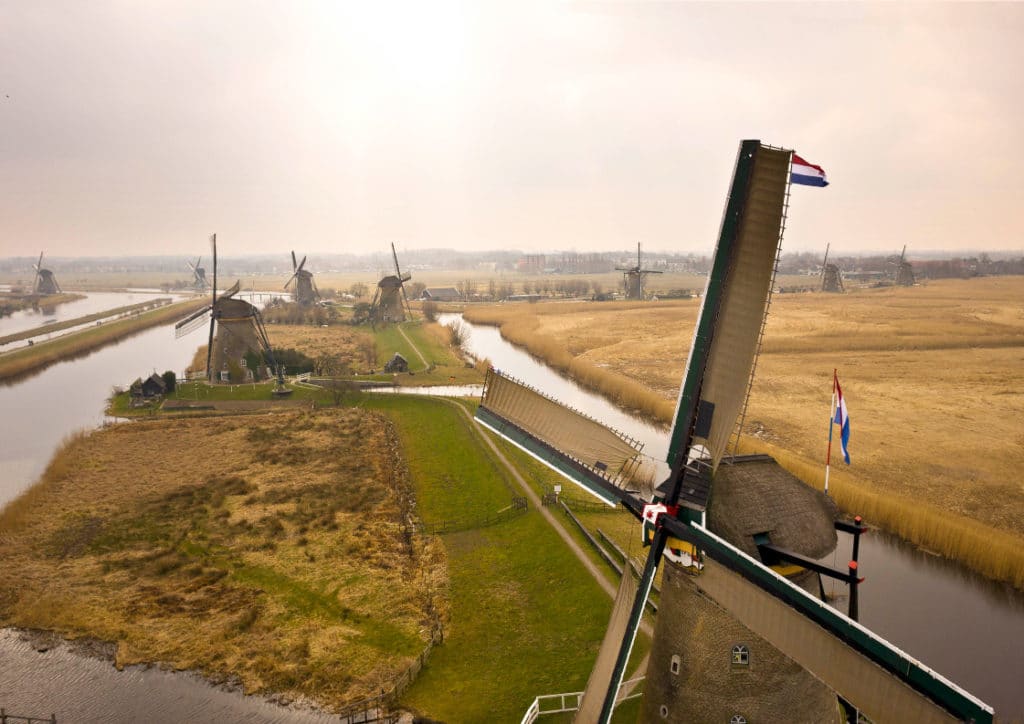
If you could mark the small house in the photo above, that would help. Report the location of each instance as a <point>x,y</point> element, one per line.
<point>154,386</point>
<point>398,363</point>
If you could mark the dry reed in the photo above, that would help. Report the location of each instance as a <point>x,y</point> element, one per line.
<point>948,353</point>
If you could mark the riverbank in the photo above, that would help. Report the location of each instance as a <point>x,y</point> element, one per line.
<point>945,354</point>
<point>10,302</point>
<point>278,549</point>
<point>85,319</point>
<point>20,363</point>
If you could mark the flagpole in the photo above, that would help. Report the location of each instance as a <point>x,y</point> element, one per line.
<point>831,418</point>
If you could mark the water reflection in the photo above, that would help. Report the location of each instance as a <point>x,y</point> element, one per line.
<point>82,688</point>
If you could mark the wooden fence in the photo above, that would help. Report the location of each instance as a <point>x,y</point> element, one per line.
<point>517,507</point>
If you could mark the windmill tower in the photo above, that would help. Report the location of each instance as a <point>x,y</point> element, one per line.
<point>238,348</point>
<point>306,292</point>
<point>633,277</point>
<point>738,636</point>
<point>390,303</point>
<point>904,270</point>
<point>45,282</point>
<point>199,282</point>
<point>831,277</point>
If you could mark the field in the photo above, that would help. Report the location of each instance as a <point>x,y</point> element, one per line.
<point>478,279</point>
<point>931,378</point>
<point>278,549</point>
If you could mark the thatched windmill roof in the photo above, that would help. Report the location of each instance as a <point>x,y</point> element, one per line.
<point>756,495</point>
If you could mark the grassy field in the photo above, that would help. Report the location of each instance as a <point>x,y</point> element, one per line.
<point>526,619</point>
<point>29,360</point>
<point>274,548</point>
<point>930,374</point>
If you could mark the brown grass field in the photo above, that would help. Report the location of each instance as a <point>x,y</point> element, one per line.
<point>276,547</point>
<point>930,374</point>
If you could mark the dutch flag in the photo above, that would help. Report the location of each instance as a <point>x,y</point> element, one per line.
<point>843,420</point>
<point>807,174</point>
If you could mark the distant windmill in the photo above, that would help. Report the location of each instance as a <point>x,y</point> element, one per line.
<point>390,303</point>
<point>633,277</point>
<point>199,282</point>
<point>237,335</point>
<point>45,282</point>
<point>306,292</point>
<point>831,277</point>
<point>904,270</point>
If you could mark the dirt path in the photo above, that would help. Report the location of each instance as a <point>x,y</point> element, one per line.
<point>414,348</point>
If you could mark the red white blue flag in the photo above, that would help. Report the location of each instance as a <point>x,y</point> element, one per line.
<point>843,420</point>
<point>808,174</point>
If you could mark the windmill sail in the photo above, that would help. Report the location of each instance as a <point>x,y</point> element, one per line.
<point>830,649</point>
<point>595,457</point>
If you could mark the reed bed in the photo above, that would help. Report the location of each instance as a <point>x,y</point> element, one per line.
<point>280,549</point>
<point>29,360</point>
<point>930,374</point>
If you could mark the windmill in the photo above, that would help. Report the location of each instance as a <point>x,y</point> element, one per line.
<point>199,282</point>
<point>45,282</point>
<point>633,277</point>
<point>831,277</point>
<point>904,270</point>
<point>237,339</point>
<point>732,598</point>
<point>390,303</point>
<point>306,292</point>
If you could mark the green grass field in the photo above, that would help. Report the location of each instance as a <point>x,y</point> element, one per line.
<point>526,618</point>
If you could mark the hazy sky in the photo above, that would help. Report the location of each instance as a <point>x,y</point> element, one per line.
<point>142,127</point>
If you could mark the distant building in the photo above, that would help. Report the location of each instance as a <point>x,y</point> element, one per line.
<point>530,264</point>
<point>441,294</point>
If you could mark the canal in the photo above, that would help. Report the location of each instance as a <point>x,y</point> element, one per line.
<point>962,625</point>
<point>965,627</point>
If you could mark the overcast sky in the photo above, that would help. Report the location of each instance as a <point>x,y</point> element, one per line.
<point>142,127</point>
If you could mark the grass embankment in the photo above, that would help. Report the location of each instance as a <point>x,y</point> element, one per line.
<point>929,373</point>
<point>67,324</point>
<point>28,360</point>
<point>526,618</point>
<point>275,548</point>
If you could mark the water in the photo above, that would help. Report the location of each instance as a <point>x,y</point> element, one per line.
<point>93,303</point>
<point>39,412</point>
<point>80,688</point>
<point>963,626</point>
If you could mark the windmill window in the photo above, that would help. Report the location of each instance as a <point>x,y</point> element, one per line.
<point>738,719</point>
<point>740,656</point>
<point>674,666</point>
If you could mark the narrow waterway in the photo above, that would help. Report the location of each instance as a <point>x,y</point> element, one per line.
<point>36,414</point>
<point>93,303</point>
<point>962,625</point>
